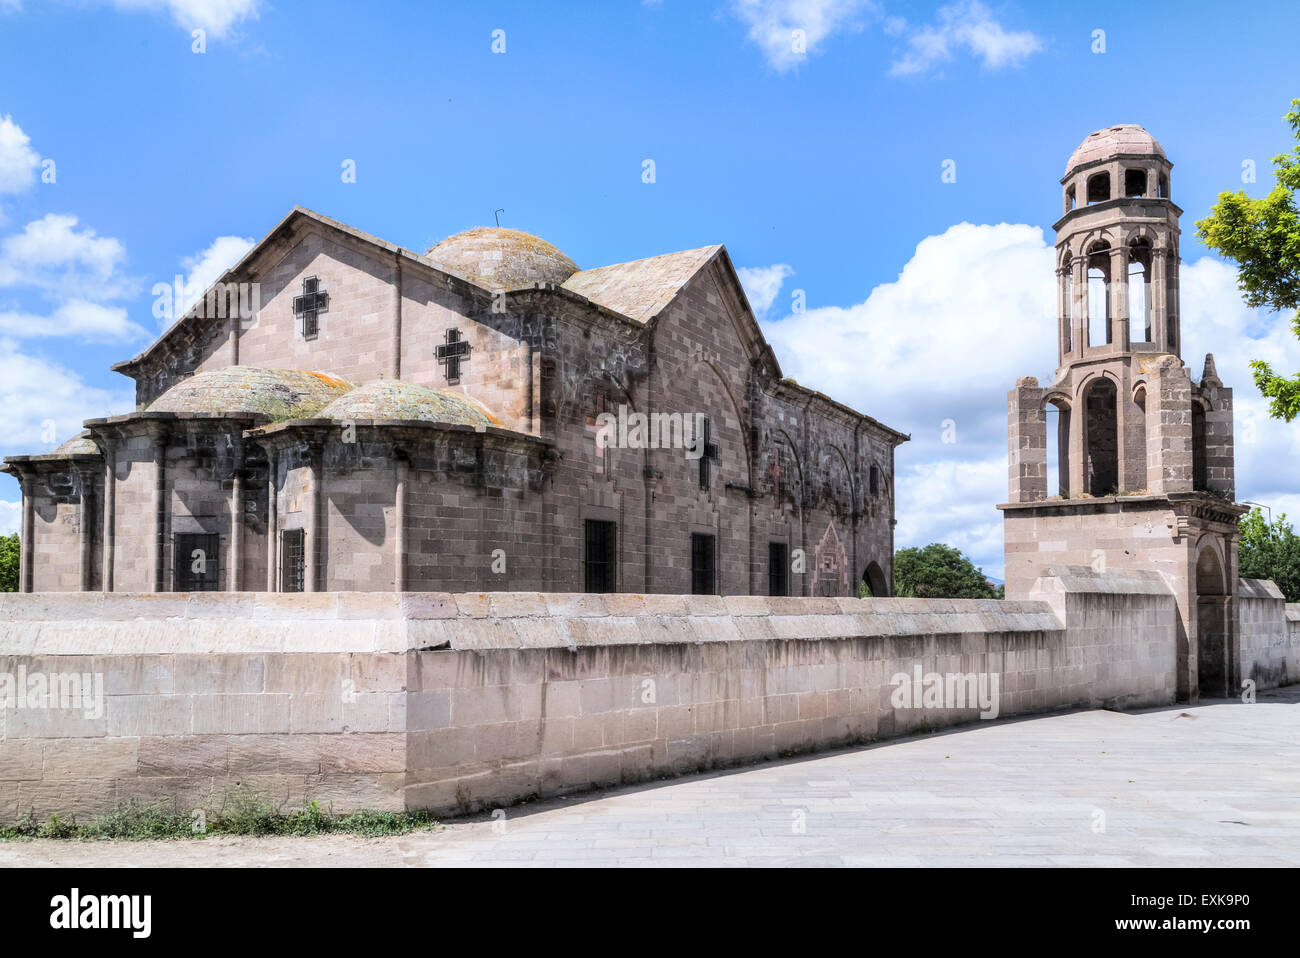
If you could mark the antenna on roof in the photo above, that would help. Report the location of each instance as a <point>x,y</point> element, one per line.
<point>502,210</point>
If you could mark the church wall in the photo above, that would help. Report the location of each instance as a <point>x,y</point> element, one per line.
<point>134,514</point>
<point>56,565</point>
<point>459,701</point>
<point>500,368</point>
<point>354,340</point>
<point>1270,648</point>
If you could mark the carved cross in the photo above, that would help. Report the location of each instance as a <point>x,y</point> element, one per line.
<point>452,353</point>
<point>309,304</point>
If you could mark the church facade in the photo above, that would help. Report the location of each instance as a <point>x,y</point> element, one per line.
<point>339,413</point>
<point>1146,475</point>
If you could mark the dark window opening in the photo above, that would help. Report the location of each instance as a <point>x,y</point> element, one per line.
<point>600,556</point>
<point>1135,182</point>
<point>778,568</point>
<point>293,561</point>
<point>1070,199</point>
<point>1163,192</point>
<point>1101,439</point>
<point>1098,187</point>
<point>196,563</point>
<point>874,480</point>
<point>704,554</point>
<point>1200,476</point>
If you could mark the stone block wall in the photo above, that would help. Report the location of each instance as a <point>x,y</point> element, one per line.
<point>454,702</point>
<point>1270,637</point>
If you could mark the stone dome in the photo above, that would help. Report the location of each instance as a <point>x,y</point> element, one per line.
<point>250,390</point>
<point>79,445</point>
<point>1124,138</point>
<point>499,258</point>
<point>395,399</point>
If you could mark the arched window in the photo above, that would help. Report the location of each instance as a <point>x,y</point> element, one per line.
<point>1135,182</point>
<point>1057,416</point>
<point>1098,187</point>
<point>1136,445</point>
<point>1101,439</point>
<point>1200,476</point>
<point>1070,199</point>
<point>1163,190</point>
<point>1099,295</point>
<point>1139,291</point>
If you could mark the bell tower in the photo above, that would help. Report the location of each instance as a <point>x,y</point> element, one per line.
<point>1144,453</point>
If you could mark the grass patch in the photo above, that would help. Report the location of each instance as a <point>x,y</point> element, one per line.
<point>242,814</point>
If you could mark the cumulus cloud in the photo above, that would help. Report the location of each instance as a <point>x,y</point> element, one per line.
<point>91,322</point>
<point>935,352</point>
<point>762,284</point>
<point>51,253</point>
<point>10,512</point>
<point>217,17</point>
<point>18,161</point>
<point>788,31</point>
<point>970,26</point>
<point>46,403</point>
<point>203,269</point>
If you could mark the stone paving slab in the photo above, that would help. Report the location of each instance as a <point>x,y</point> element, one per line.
<point>1211,785</point>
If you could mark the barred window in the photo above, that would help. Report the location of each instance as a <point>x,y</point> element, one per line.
<point>293,561</point>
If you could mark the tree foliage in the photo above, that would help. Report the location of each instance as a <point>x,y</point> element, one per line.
<point>938,571</point>
<point>9,563</point>
<point>1263,237</point>
<point>1270,551</point>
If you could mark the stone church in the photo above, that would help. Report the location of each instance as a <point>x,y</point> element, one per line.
<point>338,413</point>
<point>1144,451</point>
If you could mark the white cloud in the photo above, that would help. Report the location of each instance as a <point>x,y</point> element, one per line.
<point>762,284</point>
<point>45,403</point>
<point>10,515</point>
<point>214,16</point>
<point>967,25</point>
<point>53,254</point>
<point>972,311</point>
<point>91,322</point>
<point>18,161</point>
<point>206,267</point>
<point>773,25</point>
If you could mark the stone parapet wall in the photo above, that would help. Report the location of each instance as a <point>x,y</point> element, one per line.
<point>1270,642</point>
<point>453,702</point>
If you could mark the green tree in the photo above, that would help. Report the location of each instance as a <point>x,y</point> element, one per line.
<point>1270,551</point>
<point>9,563</point>
<point>938,571</point>
<point>1263,237</point>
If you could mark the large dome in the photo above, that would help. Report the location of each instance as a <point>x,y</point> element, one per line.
<point>1125,138</point>
<point>250,390</point>
<point>396,399</point>
<point>500,258</point>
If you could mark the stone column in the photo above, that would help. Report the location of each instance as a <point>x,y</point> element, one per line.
<point>1160,330</point>
<point>157,551</point>
<point>1078,459</point>
<point>1119,334</point>
<point>1027,442</point>
<point>110,506</point>
<point>27,538</point>
<point>235,579</point>
<point>1078,312</point>
<point>311,546</point>
<point>86,480</point>
<point>272,522</point>
<point>399,520</point>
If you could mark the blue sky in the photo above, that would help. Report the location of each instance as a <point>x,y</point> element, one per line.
<point>820,171</point>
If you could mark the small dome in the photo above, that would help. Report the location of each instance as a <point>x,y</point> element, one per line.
<point>79,445</point>
<point>250,390</point>
<point>395,399</point>
<point>1126,138</point>
<point>499,258</point>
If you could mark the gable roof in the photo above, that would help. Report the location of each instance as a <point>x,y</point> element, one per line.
<point>643,288</point>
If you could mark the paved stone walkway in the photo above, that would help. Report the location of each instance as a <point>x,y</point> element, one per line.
<point>1216,784</point>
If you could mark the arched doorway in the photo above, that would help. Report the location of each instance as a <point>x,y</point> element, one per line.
<point>874,577</point>
<point>1213,627</point>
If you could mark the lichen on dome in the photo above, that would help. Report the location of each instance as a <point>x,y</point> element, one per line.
<point>1123,138</point>
<point>277,394</point>
<point>395,399</point>
<point>499,258</point>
